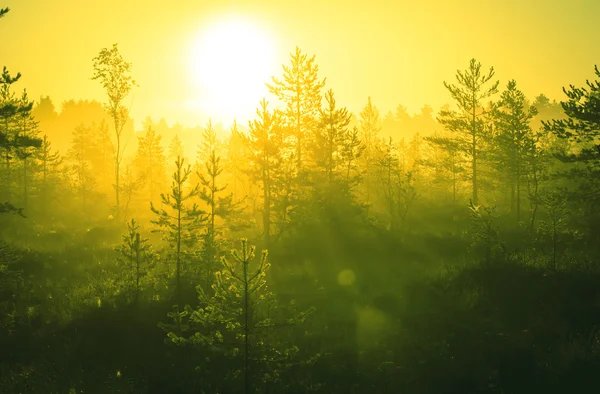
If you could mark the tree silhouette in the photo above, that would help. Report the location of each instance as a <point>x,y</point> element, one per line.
<point>179,224</point>
<point>469,121</point>
<point>300,91</point>
<point>113,73</point>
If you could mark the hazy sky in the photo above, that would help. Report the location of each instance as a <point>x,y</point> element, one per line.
<point>396,51</point>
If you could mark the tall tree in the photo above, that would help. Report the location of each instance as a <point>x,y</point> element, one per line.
<point>219,206</point>
<point>329,137</point>
<point>582,129</point>
<point>26,140</point>
<point>9,110</point>
<point>370,126</point>
<point>469,121</point>
<point>113,72</point>
<point>264,147</point>
<point>300,91</point>
<point>514,140</point>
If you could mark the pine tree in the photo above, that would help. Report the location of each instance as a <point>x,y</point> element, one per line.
<point>236,322</point>
<point>103,156</point>
<point>49,163</point>
<point>300,91</point>
<point>395,184</point>
<point>175,148</point>
<point>352,150</point>
<point>133,181</point>
<point>151,163</point>
<point>450,163</point>
<point>514,140</point>
<point>136,254</point>
<point>265,142</point>
<point>235,164</point>
<point>208,144</point>
<point>78,156</point>
<point>26,140</point>
<point>581,130</point>
<point>369,131</point>
<point>468,122</point>
<point>9,110</point>
<point>329,138</point>
<point>178,221</point>
<point>113,72</point>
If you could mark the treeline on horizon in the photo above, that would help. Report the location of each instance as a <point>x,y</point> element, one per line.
<point>311,250</point>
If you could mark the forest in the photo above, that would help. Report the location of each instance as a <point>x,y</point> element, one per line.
<point>310,250</point>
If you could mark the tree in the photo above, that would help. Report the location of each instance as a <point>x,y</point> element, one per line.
<point>208,144</point>
<point>369,130</point>
<point>300,91</point>
<point>113,72</point>
<point>9,110</point>
<point>150,162</point>
<point>235,163</point>
<point>469,121</point>
<point>583,113</point>
<point>178,221</point>
<point>102,155</point>
<point>132,182</point>
<point>175,148</point>
<point>26,139</point>
<point>265,141</point>
<point>136,253</point>
<point>352,150</point>
<point>514,140</point>
<point>581,130</point>
<point>329,137</point>
<point>79,157</point>
<point>49,162</point>
<point>450,160</point>
<point>395,184</point>
<point>242,317</point>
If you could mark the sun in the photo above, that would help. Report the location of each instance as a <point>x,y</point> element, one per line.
<point>229,65</point>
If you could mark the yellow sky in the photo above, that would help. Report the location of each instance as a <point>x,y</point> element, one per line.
<point>396,51</point>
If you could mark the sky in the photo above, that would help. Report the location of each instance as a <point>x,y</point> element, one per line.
<point>396,51</point>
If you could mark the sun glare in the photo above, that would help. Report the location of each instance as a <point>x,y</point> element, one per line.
<point>230,63</point>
